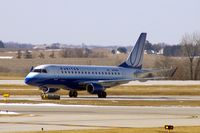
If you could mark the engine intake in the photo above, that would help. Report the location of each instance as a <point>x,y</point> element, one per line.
<point>94,88</point>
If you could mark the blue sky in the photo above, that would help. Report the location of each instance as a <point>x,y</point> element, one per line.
<point>101,22</point>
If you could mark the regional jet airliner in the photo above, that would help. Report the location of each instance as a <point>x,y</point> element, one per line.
<point>93,79</point>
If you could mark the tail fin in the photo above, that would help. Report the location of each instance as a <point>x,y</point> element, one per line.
<point>135,58</point>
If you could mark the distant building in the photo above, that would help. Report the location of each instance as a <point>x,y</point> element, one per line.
<point>40,47</point>
<point>161,51</point>
<point>149,52</point>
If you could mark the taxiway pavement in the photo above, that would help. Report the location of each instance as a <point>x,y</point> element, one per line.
<point>33,117</point>
<point>110,97</point>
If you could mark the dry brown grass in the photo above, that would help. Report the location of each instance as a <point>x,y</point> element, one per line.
<point>192,90</point>
<point>155,90</point>
<point>102,102</point>
<point>8,76</point>
<point>21,67</point>
<point>189,129</point>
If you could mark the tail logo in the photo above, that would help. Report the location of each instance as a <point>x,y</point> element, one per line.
<point>135,58</point>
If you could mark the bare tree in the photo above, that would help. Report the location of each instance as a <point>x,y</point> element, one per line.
<point>165,63</point>
<point>191,48</point>
<point>28,55</point>
<point>19,54</point>
<point>52,55</point>
<point>72,53</point>
<point>41,55</point>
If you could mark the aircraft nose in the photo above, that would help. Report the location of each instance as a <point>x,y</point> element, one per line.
<point>27,80</point>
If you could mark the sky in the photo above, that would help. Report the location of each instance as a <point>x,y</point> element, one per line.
<point>97,22</point>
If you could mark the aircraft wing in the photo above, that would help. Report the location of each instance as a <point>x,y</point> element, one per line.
<point>110,83</point>
<point>106,83</point>
<point>144,76</point>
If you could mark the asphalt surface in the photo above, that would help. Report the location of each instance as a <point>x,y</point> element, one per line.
<point>109,97</point>
<point>34,117</point>
<point>69,117</point>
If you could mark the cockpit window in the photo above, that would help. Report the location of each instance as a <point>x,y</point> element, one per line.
<point>40,70</point>
<point>44,71</point>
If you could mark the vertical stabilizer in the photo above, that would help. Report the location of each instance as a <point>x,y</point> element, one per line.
<point>135,58</point>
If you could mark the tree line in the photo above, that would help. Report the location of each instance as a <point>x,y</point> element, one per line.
<point>168,50</point>
<point>189,61</point>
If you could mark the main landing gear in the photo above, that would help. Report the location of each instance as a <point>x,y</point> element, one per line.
<point>73,93</point>
<point>102,94</point>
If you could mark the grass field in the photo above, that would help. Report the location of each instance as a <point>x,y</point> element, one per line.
<point>22,66</point>
<point>101,102</point>
<point>8,76</point>
<point>194,129</point>
<point>139,90</point>
<point>119,90</point>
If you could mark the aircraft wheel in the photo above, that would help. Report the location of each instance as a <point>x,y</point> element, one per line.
<point>102,94</point>
<point>70,93</point>
<point>99,95</point>
<point>73,93</point>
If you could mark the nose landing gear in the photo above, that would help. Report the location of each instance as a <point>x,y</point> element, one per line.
<point>50,96</point>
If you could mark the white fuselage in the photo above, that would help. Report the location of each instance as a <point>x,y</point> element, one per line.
<point>42,74</point>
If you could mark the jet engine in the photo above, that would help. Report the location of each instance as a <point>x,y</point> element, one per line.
<point>94,88</point>
<point>49,90</point>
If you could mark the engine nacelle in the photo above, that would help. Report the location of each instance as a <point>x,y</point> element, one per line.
<point>94,88</point>
<point>49,90</point>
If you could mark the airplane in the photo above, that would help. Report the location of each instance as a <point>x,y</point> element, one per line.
<point>93,79</point>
